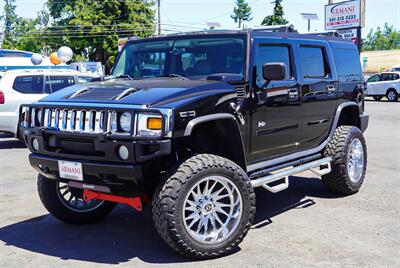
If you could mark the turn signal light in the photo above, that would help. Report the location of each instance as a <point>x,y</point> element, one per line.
<point>154,123</point>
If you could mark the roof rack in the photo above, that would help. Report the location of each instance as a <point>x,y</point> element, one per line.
<point>286,28</point>
<point>327,34</point>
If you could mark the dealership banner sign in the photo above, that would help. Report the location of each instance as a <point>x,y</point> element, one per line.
<point>349,34</point>
<point>343,15</point>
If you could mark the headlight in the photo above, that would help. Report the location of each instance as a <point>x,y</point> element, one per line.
<point>149,125</point>
<point>125,121</point>
<point>121,122</point>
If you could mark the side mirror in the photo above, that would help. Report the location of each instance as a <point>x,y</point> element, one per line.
<point>274,71</point>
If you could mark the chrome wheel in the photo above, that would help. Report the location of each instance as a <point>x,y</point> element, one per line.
<point>212,210</point>
<point>72,198</point>
<point>355,160</point>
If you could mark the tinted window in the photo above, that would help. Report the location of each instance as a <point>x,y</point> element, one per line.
<point>194,58</point>
<point>32,84</point>
<point>374,78</point>
<point>388,77</point>
<point>272,53</point>
<point>347,61</point>
<point>312,62</point>
<point>59,82</point>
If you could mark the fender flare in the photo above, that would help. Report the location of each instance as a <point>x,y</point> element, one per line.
<point>206,118</point>
<point>214,117</point>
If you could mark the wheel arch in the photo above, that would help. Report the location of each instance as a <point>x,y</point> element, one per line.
<point>392,89</point>
<point>348,114</point>
<point>225,132</point>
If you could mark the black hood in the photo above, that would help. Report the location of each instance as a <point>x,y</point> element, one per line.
<point>152,92</point>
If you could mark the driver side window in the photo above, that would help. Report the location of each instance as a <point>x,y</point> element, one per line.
<point>374,78</point>
<point>272,53</point>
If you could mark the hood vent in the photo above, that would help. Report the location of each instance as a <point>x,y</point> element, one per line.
<point>126,93</point>
<point>97,94</point>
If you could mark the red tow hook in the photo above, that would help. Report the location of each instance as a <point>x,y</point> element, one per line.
<point>134,202</point>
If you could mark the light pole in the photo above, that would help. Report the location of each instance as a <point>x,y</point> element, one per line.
<point>159,16</point>
<point>309,17</point>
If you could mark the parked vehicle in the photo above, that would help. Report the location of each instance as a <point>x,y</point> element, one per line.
<point>385,84</point>
<point>192,123</point>
<point>395,68</point>
<point>27,86</point>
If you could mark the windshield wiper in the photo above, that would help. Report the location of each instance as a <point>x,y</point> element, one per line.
<point>175,75</point>
<point>125,76</point>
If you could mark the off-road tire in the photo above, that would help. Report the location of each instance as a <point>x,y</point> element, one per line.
<point>396,95</point>
<point>48,195</point>
<point>377,98</point>
<point>339,180</point>
<point>169,198</point>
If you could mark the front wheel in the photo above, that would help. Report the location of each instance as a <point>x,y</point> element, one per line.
<point>349,153</point>
<point>67,204</point>
<point>205,208</point>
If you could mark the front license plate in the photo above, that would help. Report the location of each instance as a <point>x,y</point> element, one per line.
<point>70,170</point>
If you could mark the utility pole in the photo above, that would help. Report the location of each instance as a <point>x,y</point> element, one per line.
<point>159,16</point>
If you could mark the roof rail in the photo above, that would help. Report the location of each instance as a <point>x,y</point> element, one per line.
<point>327,34</point>
<point>286,28</point>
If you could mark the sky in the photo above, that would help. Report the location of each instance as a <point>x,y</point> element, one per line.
<point>189,15</point>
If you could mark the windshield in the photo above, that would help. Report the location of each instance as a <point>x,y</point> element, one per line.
<point>194,58</point>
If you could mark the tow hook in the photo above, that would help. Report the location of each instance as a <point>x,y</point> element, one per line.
<point>134,202</point>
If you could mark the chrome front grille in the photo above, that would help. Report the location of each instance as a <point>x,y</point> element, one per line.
<point>89,121</point>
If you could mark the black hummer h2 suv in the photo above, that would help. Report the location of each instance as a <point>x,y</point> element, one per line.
<point>192,123</point>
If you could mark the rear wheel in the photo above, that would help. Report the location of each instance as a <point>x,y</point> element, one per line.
<point>205,209</point>
<point>67,204</point>
<point>377,98</point>
<point>349,153</point>
<point>392,95</point>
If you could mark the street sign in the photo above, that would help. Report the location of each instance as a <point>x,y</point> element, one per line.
<point>343,15</point>
<point>365,59</point>
<point>349,34</point>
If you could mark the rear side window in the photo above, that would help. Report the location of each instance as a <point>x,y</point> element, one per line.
<point>30,84</point>
<point>273,53</point>
<point>347,61</point>
<point>313,62</point>
<point>56,83</point>
<point>389,77</point>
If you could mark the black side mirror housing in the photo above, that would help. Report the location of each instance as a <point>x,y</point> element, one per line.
<point>274,71</point>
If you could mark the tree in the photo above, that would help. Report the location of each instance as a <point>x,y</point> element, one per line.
<point>92,28</point>
<point>277,17</point>
<point>242,12</point>
<point>386,39</point>
<point>9,18</point>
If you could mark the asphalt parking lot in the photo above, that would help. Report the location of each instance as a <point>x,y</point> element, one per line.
<point>304,226</point>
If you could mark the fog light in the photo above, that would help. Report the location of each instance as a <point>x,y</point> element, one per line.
<point>35,144</point>
<point>123,152</point>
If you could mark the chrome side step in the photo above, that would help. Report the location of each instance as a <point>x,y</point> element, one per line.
<point>318,167</point>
